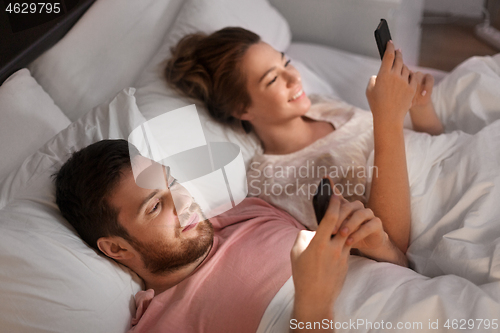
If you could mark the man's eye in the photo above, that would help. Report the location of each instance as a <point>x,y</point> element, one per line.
<point>272,81</point>
<point>287,63</point>
<point>155,208</point>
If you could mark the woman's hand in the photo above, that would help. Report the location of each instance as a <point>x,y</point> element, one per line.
<point>422,113</point>
<point>422,98</point>
<point>391,92</point>
<point>364,231</point>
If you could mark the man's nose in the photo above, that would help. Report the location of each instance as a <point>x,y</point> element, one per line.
<point>181,198</point>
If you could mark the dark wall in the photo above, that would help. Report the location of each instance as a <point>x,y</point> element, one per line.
<point>24,36</point>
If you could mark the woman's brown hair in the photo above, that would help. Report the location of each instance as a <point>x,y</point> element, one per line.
<point>206,67</point>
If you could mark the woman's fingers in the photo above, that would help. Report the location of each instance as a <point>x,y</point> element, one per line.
<point>413,83</point>
<point>419,77</point>
<point>356,220</point>
<point>388,59</point>
<point>347,209</point>
<point>405,73</point>
<point>398,62</point>
<point>369,227</point>
<point>427,84</point>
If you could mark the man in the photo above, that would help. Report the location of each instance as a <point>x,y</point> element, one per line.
<point>210,276</point>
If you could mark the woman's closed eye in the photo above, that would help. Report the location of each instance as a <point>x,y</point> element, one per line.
<point>276,77</point>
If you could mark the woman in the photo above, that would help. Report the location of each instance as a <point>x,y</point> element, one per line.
<point>243,80</point>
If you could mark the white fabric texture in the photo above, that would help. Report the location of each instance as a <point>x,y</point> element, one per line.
<point>290,181</point>
<point>29,119</point>
<point>455,234</point>
<point>155,97</point>
<point>51,281</point>
<point>467,99</point>
<point>103,53</point>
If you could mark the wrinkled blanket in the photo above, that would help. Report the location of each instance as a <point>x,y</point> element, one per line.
<point>455,235</point>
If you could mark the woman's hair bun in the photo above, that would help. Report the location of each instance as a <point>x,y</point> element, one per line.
<point>207,68</point>
<point>184,70</point>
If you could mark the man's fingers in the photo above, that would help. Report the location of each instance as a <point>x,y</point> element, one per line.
<point>328,225</point>
<point>388,59</point>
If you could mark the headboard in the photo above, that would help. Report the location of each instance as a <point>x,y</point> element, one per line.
<point>24,36</point>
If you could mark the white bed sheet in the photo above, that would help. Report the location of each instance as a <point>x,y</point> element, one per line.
<point>455,235</point>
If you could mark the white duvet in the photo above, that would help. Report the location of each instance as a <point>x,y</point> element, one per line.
<point>455,236</point>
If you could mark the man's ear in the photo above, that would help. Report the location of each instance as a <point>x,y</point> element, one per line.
<point>115,248</point>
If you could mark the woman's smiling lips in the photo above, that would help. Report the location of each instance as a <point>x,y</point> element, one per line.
<point>297,96</point>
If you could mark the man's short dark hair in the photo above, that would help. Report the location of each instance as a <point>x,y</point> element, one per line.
<point>83,186</point>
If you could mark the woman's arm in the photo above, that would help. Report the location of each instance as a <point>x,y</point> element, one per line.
<point>422,113</point>
<point>369,237</point>
<point>390,95</point>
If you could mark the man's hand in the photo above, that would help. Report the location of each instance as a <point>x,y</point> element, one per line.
<point>319,266</point>
<point>391,92</point>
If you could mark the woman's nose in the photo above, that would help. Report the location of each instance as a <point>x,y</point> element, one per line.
<point>292,77</point>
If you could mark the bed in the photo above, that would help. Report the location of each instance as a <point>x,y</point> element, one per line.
<point>104,77</point>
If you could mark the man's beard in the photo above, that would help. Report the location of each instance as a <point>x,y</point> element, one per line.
<point>160,257</point>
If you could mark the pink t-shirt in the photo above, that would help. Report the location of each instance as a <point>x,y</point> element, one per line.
<point>231,289</point>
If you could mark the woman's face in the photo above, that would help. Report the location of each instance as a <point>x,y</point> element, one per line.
<point>274,86</point>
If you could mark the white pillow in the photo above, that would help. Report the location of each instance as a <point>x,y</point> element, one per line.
<point>50,280</point>
<point>104,52</point>
<point>29,118</point>
<point>211,15</point>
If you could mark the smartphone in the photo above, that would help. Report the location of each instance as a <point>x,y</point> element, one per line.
<point>382,36</point>
<point>321,199</point>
